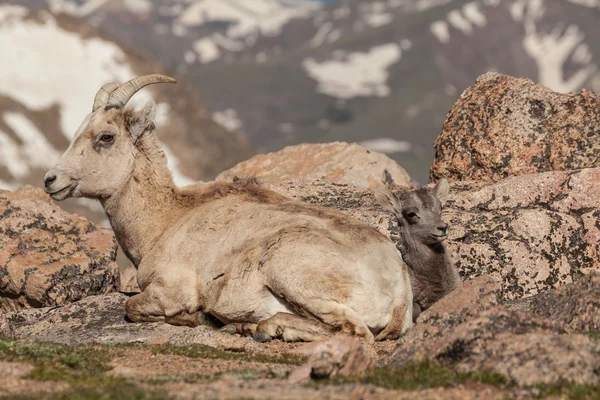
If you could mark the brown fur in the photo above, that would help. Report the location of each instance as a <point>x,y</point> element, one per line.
<point>235,250</point>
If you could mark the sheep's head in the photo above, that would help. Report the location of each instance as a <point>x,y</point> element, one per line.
<point>418,212</point>
<point>100,158</point>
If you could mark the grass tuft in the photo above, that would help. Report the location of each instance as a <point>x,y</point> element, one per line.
<point>422,376</point>
<point>207,352</point>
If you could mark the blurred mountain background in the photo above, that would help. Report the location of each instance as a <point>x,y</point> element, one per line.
<point>258,75</point>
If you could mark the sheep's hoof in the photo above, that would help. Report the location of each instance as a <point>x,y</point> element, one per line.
<point>262,337</point>
<point>231,329</point>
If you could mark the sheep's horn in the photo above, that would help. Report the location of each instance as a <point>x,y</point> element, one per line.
<point>103,95</point>
<point>120,96</point>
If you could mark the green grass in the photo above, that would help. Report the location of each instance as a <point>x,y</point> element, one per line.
<point>207,352</point>
<point>593,334</point>
<point>422,376</point>
<point>57,362</point>
<point>109,392</point>
<point>570,391</point>
<point>428,374</point>
<point>82,367</point>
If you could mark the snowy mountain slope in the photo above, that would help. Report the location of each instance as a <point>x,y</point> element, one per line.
<point>380,72</point>
<point>51,69</point>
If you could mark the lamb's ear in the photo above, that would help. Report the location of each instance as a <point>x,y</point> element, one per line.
<point>441,190</point>
<point>140,122</point>
<point>386,198</point>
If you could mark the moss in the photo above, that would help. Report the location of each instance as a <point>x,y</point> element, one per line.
<point>422,376</point>
<point>82,365</point>
<point>427,374</point>
<point>121,391</point>
<point>202,351</point>
<point>569,391</point>
<point>594,334</point>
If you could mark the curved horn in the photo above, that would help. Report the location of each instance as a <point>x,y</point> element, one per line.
<point>103,95</point>
<point>120,96</point>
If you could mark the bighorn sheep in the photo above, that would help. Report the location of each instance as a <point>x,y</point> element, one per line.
<point>422,233</point>
<point>245,255</point>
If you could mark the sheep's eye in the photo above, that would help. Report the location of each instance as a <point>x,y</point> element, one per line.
<point>107,138</point>
<point>410,214</point>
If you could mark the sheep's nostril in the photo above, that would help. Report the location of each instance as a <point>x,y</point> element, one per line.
<point>443,228</point>
<point>49,180</point>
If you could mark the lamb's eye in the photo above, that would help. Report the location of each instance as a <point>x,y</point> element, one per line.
<point>411,214</point>
<point>107,138</point>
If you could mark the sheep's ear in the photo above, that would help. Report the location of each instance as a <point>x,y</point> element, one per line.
<point>386,198</point>
<point>441,190</point>
<point>140,122</point>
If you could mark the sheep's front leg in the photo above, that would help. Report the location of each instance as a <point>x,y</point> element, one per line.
<point>288,327</point>
<point>143,308</point>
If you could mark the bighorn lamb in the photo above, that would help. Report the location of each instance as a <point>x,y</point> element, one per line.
<point>422,233</point>
<point>247,256</point>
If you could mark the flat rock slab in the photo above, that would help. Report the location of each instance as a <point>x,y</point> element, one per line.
<point>49,257</point>
<point>101,319</point>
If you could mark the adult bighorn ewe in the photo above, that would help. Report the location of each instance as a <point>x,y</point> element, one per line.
<point>422,233</point>
<point>249,257</point>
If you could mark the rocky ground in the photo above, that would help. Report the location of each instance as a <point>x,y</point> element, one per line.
<point>525,323</point>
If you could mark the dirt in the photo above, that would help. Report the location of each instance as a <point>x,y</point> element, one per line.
<point>147,373</point>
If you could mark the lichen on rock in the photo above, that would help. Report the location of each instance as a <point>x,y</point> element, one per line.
<point>49,257</point>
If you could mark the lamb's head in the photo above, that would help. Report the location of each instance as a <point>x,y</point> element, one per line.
<point>418,212</point>
<point>100,158</point>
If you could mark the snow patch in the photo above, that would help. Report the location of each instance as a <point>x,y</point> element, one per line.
<point>173,165</point>
<point>75,8</point>
<point>189,57</point>
<point>405,44</point>
<point>377,20</point>
<point>9,12</point>
<point>207,50</point>
<point>10,157</point>
<point>474,14</point>
<point>457,20</point>
<point>551,50</point>
<point>34,151</point>
<point>321,34</point>
<point>228,119</point>
<point>138,6</point>
<point>266,16</point>
<point>423,5</point>
<point>441,31</point>
<point>8,186</point>
<point>246,20</point>
<point>387,145</point>
<point>586,3</point>
<point>341,12</point>
<point>33,76</point>
<point>355,74</point>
